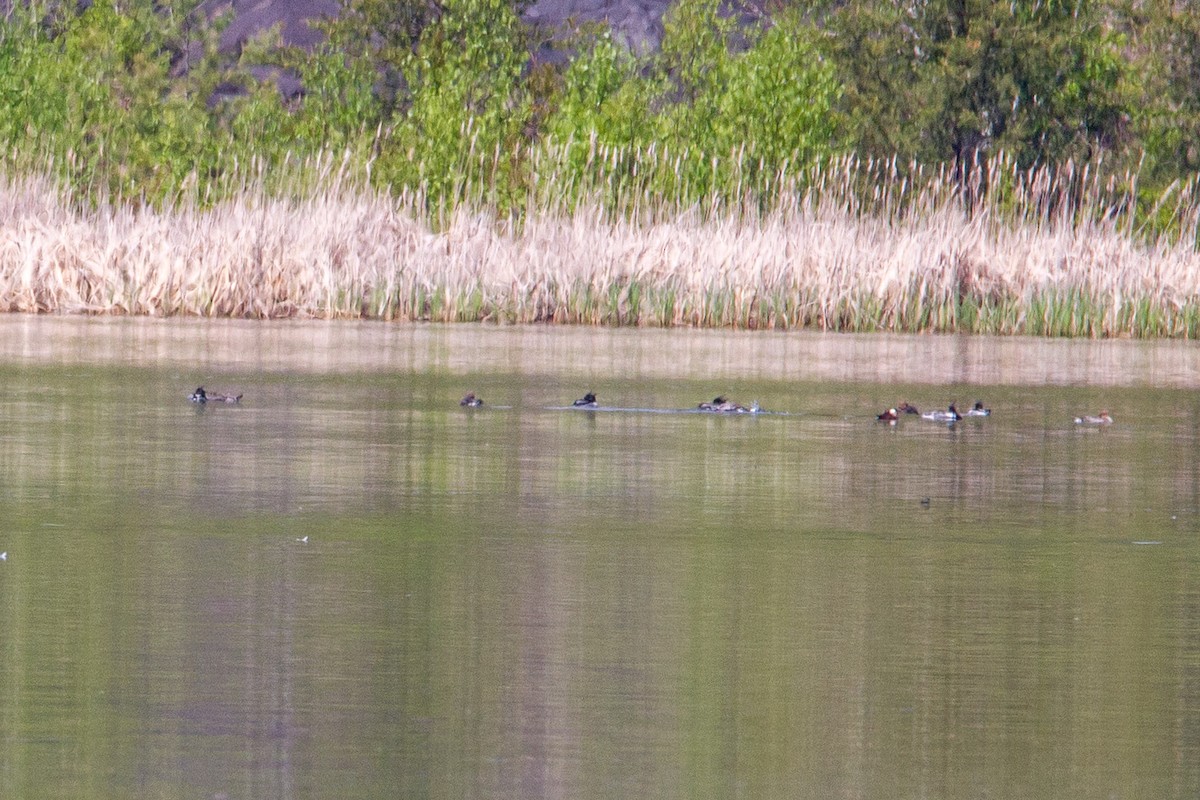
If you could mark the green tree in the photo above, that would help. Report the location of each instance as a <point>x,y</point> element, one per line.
<point>741,103</point>
<point>96,94</point>
<point>386,33</point>
<point>468,107</point>
<point>960,79</point>
<point>1164,47</point>
<point>778,98</point>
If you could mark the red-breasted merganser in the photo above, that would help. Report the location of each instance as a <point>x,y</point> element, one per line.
<point>1102,418</point>
<point>201,396</point>
<point>949,415</point>
<point>722,405</point>
<point>979,411</point>
<point>471,401</point>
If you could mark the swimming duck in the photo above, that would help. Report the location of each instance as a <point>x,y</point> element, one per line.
<point>471,401</point>
<point>978,410</point>
<point>907,408</point>
<point>201,396</point>
<point>722,405</point>
<point>949,415</point>
<point>1102,418</point>
<point>587,401</point>
<point>891,415</point>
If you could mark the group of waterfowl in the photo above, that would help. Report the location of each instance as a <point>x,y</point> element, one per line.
<point>722,405</point>
<point>719,404</point>
<point>951,414</point>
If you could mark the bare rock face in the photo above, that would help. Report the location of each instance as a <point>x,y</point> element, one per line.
<point>252,17</point>
<point>637,22</point>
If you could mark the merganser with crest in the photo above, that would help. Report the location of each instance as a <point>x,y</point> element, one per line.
<point>949,415</point>
<point>722,405</point>
<point>978,410</point>
<point>201,396</point>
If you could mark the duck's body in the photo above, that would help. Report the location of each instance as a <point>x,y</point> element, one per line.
<point>202,397</point>
<point>891,415</point>
<point>587,401</point>
<point>722,405</point>
<point>978,410</point>
<point>1103,418</point>
<point>907,408</point>
<point>471,401</point>
<point>949,415</point>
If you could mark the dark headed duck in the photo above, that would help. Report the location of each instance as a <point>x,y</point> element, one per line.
<point>201,396</point>
<point>949,415</point>
<point>978,410</point>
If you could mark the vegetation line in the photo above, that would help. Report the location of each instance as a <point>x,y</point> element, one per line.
<point>853,165</point>
<point>1025,259</point>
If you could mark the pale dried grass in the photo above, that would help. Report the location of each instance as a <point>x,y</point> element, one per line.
<point>830,257</point>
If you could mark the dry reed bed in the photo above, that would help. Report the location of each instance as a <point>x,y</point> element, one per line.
<point>818,260</point>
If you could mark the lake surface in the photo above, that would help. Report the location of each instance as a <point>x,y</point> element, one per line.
<point>348,586</point>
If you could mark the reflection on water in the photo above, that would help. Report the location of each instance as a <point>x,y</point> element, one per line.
<point>525,602</point>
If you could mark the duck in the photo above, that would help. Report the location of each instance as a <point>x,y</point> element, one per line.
<point>201,396</point>
<point>978,410</point>
<point>949,415</point>
<point>722,405</point>
<point>907,408</point>
<point>471,401</point>
<point>587,401</point>
<point>891,415</point>
<point>1103,418</point>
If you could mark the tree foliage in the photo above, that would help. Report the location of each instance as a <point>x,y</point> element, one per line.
<point>728,105</point>
<point>96,91</point>
<point>1164,49</point>
<point>123,95</point>
<point>962,79</point>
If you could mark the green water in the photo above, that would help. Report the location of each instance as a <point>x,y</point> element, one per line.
<point>520,601</point>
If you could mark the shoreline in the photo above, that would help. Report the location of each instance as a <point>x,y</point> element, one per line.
<point>244,353</point>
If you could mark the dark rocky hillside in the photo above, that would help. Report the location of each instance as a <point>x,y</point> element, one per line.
<point>639,22</point>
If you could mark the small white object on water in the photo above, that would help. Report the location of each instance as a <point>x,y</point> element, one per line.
<point>303,540</point>
<point>4,556</point>
<point>1148,542</point>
